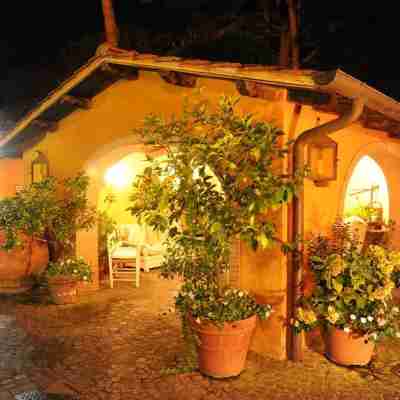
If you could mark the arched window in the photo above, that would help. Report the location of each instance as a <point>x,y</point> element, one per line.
<point>367,194</point>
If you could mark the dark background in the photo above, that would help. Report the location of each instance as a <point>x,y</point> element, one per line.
<point>41,42</point>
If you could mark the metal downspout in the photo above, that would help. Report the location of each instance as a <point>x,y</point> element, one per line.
<point>295,345</point>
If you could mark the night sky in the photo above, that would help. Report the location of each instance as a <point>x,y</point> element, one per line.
<point>34,35</point>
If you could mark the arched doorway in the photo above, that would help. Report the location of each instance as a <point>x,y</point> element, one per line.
<point>87,242</point>
<point>367,192</point>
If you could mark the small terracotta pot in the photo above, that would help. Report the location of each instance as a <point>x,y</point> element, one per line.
<point>222,351</point>
<point>347,349</point>
<point>63,290</point>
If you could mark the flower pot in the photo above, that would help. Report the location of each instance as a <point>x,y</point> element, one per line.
<point>15,269</point>
<point>63,290</point>
<point>222,351</point>
<point>396,295</point>
<point>347,349</point>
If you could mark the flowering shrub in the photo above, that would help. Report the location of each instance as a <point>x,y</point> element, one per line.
<point>352,291</point>
<point>204,302</point>
<point>73,267</point>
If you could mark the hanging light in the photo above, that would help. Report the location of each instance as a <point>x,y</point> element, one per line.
<point>39,167</point>
<point>322,160</point>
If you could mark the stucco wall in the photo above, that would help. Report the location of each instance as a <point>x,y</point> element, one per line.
<point>11,176</point>
<point>95,139</point>
<point>323,204</point>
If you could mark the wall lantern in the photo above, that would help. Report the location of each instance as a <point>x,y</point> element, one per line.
<point>39,167</point>
<point>322,160</point>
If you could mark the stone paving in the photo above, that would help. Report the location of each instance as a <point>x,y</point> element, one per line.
<point>117,344</point>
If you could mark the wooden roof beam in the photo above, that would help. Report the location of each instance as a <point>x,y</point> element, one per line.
<point>50,126</point>
<point>80,102</point>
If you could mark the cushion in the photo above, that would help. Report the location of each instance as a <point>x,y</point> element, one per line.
<point>124,253</point>
<point>153,250</point>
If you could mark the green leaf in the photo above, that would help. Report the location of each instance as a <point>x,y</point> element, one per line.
<point>263,240</point>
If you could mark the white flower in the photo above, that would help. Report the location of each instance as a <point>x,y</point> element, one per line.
<point>353,317</point>
<point>296,324</point>
<point>240,294</point>
<point>381,321</point>
<point>395,309</point>
<point>75,271</point>
<point>370,318</point>
<point>85,278</point>
<point>398,334</point>
<point>347,329</point>
<point>363,320</point>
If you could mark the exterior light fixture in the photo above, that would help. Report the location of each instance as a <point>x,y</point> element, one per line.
<point>119,175</point>
<point>39,167</point>
<point>322,160</point>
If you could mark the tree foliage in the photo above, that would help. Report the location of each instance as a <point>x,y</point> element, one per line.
<point>221,179</point>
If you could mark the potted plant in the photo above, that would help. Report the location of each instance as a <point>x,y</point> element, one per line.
<point>39,224</point>
<point>219,180</point>
<point>23,248</point>
<point>63,277</point>
<point>350,298</point>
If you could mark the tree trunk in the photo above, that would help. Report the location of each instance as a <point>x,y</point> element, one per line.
<point>284,51</point>
<point>293,30</point>
<point>30,253</point>
<point>110,24</point>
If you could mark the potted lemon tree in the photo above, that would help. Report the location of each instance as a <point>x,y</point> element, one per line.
<point>351,298</point>
<point>218,181</point>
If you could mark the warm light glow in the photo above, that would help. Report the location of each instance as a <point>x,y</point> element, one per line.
<point>119,175</point>
<point>367,185</point>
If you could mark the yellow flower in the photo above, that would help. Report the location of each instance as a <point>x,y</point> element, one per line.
<point>386,267</point>
<point>382,292</point>
<point>306,316</point>
<point>333,315</point>
<point>337,266</point>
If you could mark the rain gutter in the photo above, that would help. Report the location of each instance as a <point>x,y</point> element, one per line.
<point>295,345</point>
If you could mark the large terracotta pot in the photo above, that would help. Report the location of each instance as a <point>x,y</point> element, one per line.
<point>14,269</point>
<point>347,349</point>
<point>222,351</point>
<point>63,290</point>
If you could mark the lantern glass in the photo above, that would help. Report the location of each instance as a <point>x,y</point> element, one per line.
<point>322,160</point>
<point>40,168</point>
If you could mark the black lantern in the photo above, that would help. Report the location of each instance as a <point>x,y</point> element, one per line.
<point>40,167</point>
<point>322,160</point>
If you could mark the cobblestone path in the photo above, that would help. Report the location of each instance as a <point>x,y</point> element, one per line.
<point>116,344</point>
<point>15,355</point>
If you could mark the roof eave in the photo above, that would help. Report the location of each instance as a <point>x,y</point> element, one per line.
<point>337,81</point>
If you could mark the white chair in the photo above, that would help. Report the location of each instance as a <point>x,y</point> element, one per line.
<point>123,262</point>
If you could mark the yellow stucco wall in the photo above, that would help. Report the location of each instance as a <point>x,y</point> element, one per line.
<point>11,176</point>
<point>323,204</point>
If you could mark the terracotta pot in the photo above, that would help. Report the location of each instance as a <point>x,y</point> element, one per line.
<point>14,268</point>
<point>396,295</point>
<point>63,290</point>
<point>222,351</point>
<point>347,349</point>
